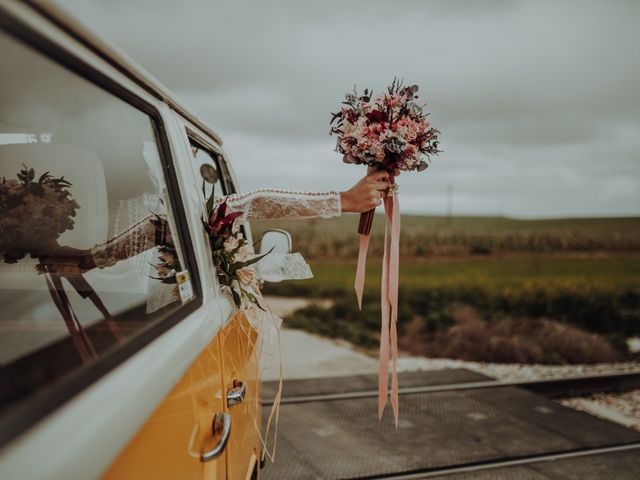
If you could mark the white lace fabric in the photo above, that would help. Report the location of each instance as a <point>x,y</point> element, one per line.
<point>272,203</point>
<point>276,267</point>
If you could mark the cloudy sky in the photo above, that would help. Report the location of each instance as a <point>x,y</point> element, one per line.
<point>537,101</point>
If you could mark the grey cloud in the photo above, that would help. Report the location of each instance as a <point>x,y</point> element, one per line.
<point>537,100</point>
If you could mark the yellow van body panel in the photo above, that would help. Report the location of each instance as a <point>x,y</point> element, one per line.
<point>170,442</point>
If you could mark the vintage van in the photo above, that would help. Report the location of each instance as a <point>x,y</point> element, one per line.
<point>110,368</point>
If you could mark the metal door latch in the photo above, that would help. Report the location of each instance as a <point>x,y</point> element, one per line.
<point>236,394</point>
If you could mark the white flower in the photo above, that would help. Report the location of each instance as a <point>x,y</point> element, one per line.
<point>393,190</point>
<point>243,253</point>
<point>230,243</point>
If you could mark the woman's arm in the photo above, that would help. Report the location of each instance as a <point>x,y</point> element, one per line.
<point>272,203</point>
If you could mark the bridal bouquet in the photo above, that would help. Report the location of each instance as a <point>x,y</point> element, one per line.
<point>389,132</point>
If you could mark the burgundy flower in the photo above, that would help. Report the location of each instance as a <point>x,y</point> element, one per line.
<point>351,116</point>
<point>221,224</point>
<point>217,214</point>
<point>376,116</point>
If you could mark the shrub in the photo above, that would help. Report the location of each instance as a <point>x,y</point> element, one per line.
<point>538,323</point>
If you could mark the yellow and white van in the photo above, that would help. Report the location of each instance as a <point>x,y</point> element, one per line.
<point>107,371</point>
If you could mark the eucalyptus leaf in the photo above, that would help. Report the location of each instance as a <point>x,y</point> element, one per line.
<point>258,258</point>
<point>236,298</point>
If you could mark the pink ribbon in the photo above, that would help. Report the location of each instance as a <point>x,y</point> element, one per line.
<point>388,302</point>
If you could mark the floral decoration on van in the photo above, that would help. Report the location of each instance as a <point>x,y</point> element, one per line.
<point>232,257</point>
<point>33,214</point>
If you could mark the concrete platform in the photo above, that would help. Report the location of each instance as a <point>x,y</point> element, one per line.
<point>340,439</point>
<point>305,355</point>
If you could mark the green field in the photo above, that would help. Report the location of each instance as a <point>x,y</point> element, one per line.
<point>611,272</point>
<point>561,290</point>
<point>432,236</point>
<point>346,225</point>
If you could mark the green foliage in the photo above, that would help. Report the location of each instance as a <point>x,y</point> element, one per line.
<point>613,312</point>
<point>439,236</point>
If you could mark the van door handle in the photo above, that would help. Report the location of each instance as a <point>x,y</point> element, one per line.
<point>236,394</point>
<point>221,426</point>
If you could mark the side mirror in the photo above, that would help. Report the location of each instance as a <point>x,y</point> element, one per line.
<point>279,240</point>
<point>281,264</point>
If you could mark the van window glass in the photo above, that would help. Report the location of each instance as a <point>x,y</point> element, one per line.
<point>205,158</point>
<point>89,256</point>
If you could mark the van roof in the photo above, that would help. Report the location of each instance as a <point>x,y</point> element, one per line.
<point>118,59</point>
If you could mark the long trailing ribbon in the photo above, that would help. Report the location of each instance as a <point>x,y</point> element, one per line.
<point>388,302</point>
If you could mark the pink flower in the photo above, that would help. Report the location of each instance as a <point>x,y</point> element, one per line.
<point>409,151</point>
<point>392,100</point>
<point>246,275</point>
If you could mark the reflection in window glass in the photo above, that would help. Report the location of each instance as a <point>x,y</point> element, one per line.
<point>87,255</point>
<point>203,157</point>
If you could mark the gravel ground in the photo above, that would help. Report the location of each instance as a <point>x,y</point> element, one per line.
<point>623,408</point>
<point>516,371</point>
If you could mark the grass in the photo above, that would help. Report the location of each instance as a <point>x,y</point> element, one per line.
<point>334,275</point>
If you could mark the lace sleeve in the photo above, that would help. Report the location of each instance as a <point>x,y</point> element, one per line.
<point>270,203</point>
<point>147,233</point>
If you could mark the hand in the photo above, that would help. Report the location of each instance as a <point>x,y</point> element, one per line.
<point>371,170</point>
<point>64,259</point>
<point>367,193</point>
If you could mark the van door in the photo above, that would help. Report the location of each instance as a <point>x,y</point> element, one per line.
<point>189,425</point>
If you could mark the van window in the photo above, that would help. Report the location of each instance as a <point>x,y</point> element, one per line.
<point>90,256</point>
<point>204,157</point>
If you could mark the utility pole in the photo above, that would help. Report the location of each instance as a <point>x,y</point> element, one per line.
<point>450,205</point>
